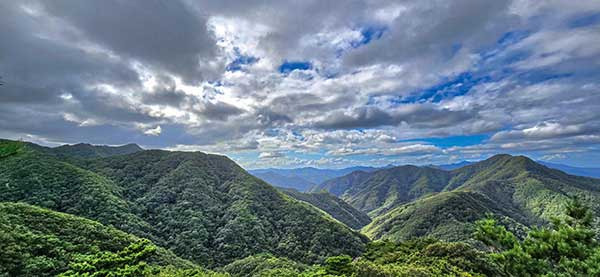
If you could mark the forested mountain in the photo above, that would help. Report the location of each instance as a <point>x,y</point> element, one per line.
<point>573,170</point>
<point>84,150</point>
<point>162,213</point>
<point>304,178</point>
<point>334,206</point>
<point>411,201</point>
<point>516,190</point>
<point>40,242</point>
<point>378,191</point>
<point>205,208</point>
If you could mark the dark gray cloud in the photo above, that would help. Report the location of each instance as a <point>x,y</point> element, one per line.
<point>155,73</point>
<point>416,115</point>
<point>167,35</point>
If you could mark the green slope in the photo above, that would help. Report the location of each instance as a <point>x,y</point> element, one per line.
<point>379,191</point>
<point>40,242</point>
<point>516,189</point>
<point>32,176</point>
<point>333,206</point>
<point>447,215</point>
<point>210,210</point>
<point>205,208</point>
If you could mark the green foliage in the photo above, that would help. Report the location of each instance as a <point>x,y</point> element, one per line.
<point>40,242</point>
<point>205,208</point>
<point>419,257</point>
<point>567,248</point>
<point>264,265</point>
<point>333,206</point>
<point>128,262</point>
<point>8,148</point>
<point>339,265</point>
<point>378,191</point>
<point>40,179</point>
<point>516,190</point>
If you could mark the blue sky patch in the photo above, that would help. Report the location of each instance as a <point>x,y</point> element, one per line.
<point>289,66</point>
<point>452,140</point>
<point>457,86</point>
<point>584,20</point>
<point>369,34</point>
<point>241,60</point>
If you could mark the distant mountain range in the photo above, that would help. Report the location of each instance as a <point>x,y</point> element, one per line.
<point>579,171</point>
<point>411,201</point>
<point>305,178</point>
<point>302,179</point>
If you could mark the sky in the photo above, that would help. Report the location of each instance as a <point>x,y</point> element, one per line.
<point>316,83</point>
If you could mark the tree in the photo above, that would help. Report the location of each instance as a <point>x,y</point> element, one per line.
<point>127,262</point>
<point>567,248</point>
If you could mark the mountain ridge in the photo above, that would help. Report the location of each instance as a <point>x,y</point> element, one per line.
<point>203,207</point>
<point>515,189</point>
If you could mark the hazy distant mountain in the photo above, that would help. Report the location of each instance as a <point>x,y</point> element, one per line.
<point>581,171</point>
<point>303,178</point>
<point>278,180</point>
<point>452,166</point>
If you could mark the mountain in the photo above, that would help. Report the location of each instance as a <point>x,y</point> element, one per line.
<point>204,208</point>
<point>517,190</point>
<point>579,171</point>
<point>41,242</point>
<point>593,172</point>
<point>452,166</point>
<point>282,181</point>
<point>410,201</point>
<point>84,150</point>
<point>304,178</point>
<point>333,206</point>
<point>378,191</point>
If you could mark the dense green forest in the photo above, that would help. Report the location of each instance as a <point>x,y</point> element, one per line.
<point>204,208</point>
<point>408,201</point>
<point>85,210</point>
<point>333,206</point>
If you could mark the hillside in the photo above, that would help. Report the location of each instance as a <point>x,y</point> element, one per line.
<point>517,190</point>
<point>205,208</point>
<point>378,191</point>
<point>29,174</point>
<point>334,206</point>
<point>40,242</point>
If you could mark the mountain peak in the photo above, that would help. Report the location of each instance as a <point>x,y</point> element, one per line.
<point>86,150</point>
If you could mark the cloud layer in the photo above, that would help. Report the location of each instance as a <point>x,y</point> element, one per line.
<point>307,83</point>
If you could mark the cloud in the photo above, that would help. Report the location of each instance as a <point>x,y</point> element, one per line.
<point>154,131</point>
<point>218,76</point>
<point>401,150</point>
<point>270,155</point>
